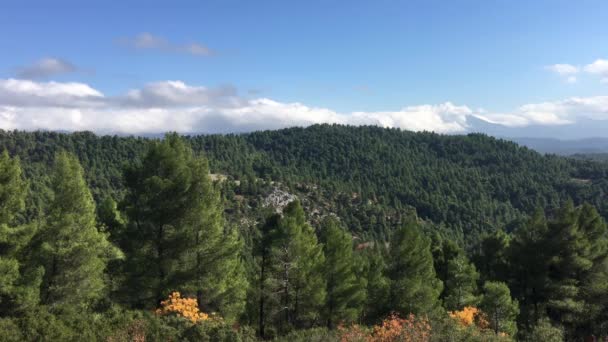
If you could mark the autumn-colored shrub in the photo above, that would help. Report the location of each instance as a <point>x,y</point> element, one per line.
<point>470,315</point>
<point>410,329</point>
<point>182,307</point>
<point>392,329</point>
<point>353,333</point>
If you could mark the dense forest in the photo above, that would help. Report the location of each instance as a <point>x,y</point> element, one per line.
<point>325,233</point>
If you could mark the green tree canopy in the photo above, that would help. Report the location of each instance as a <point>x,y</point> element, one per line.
<point>17,284</point>
<point>73,252</point>
<point>500,309</point>
<point>345,293</point>
<point>414,286</point>
<point>297,261</point>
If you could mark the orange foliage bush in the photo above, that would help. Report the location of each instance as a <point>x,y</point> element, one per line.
<point>392,329</point>
<point>354,333</point>
<point>470,315</point>
<point>183,307</point>
<point>410,329</point>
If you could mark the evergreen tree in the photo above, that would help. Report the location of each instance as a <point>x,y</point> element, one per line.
<point>444,250</point>
<point>345,293</point>
<point>501,311</point>
<point>297,261</point>
<point>17,284</point>
<point>377,285</point>
<point>461,284</point>
<point>578,268</point>
<point>414,285</point>
<point>73,252</point>
<point>492,258</point>
<point>264,283</point>
<point>111,221</point>
<point>110,218</point>
<point>156,203</point>
<point>213,269</point>
<point>529,257</point>
<point>176,236</point>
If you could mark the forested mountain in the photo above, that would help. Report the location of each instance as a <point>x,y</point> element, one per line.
<point>323,233</point>
<point>366,175</point>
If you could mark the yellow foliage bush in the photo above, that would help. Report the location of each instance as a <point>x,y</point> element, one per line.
<point>182,307</point>
<point>470,315</point>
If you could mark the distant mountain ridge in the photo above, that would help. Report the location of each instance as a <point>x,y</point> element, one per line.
<point>564,147</point>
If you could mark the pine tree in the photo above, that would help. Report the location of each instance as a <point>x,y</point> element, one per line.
<point>377,285</point>
<point>492,258</point>
<point>73,252</point>
<point>264,283</point>
<point>414,285</point>
<point>345,293</point>
<point>214,269</point>
<point>501,311</point>
<point>297,261</point>
<point>17,285</point>
<point>176,237</point>
<point>156,202</point>
<point>529,257</point>
<point>444,250</point>
<point>578,269</point>
<point>461,284</point>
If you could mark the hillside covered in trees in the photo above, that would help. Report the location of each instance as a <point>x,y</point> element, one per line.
<point>321,233</point>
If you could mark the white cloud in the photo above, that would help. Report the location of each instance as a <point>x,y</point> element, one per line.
<point>46,67</point>
<point>25,93</point>
<point>552,113</point>
<point>600,68</point>
<point>176,106</point>
<point>444,118</point>
<point>148,41</point>
<point>179,94</point>
<point>565,70</point>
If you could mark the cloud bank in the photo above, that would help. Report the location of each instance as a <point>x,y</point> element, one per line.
<point>175,106</point>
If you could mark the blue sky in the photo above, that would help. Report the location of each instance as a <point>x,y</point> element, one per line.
<point>371,57</point>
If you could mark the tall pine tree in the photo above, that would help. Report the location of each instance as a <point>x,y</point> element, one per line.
<point>529,257</point>
<point>17,283</point>
<point>414,286</point>
<point>372,262</point>
<point>263,283</point>
<point>213,268</point>
<point>345,293</point>
<point>578,269</point>
<point>500,310</point>
<point>461,284</point>
<point>176,237</point>
<point>73,252</point>
<point>297,261</point>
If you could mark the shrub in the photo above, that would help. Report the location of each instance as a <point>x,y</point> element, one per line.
<point>393,328</point>
<point>183,307</point>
